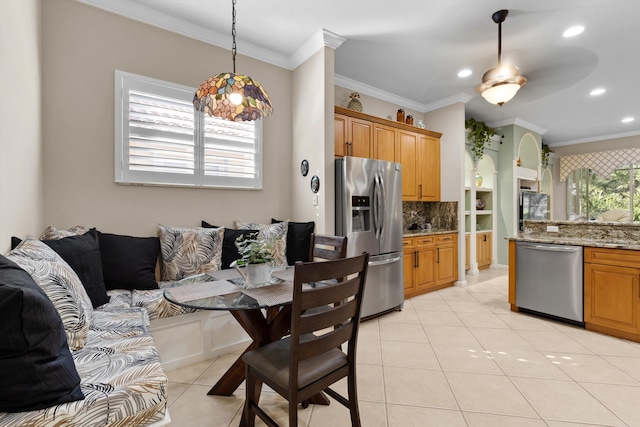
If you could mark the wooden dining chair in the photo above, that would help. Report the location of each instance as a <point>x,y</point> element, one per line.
<point>310,360</point>
<point>325,247</point>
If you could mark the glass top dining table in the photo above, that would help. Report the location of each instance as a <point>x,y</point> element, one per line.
<point>225,290</point>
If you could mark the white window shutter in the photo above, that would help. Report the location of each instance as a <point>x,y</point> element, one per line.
<point>162,140</point>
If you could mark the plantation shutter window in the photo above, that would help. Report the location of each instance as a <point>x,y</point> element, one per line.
<point>162,140</point>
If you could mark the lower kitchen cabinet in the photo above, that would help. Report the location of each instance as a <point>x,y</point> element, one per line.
<point>430,263</point>
<point>467,252</point>
<point>483,250</point>
<point>611,291</point>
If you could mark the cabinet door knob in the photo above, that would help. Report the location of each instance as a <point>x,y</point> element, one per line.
<point>420,191</point>
<point>438,260</point>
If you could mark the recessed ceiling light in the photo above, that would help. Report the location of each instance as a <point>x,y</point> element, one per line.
<point>597,91</point>
<point>573,31</point>
<point>628,120</point>
<point>464,73</point>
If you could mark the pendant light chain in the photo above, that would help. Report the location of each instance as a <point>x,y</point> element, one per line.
<point>233,34</point>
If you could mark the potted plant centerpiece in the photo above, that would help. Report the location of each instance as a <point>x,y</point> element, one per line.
<point>255,263</point>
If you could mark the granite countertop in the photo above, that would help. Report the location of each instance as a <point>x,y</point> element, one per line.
<point>579,241</point>
<point>433,232</point>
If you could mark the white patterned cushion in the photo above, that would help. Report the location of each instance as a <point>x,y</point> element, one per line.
<point>121,377</point>
<point>52,233</point>
<point>189,251</point>
<point>276,232</point>
<point>61,284</point>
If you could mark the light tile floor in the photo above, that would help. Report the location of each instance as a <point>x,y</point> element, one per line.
<point>455,357</point>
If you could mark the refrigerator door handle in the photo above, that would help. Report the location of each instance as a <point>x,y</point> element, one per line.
<point>385,261</point>
<point>376,206</point>
<point>383,208</point>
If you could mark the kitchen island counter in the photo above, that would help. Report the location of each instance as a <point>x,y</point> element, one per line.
<point>614,235</point>
<point>611,271</point>
<point>579,241</point>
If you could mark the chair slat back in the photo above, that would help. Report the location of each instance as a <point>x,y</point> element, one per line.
<point>324,247</point>
<point>341,303</point>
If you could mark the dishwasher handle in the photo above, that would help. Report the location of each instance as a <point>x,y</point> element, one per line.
<point>548,248</point>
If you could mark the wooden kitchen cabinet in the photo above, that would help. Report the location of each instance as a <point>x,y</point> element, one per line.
<point>418,150</point>
<point>467,252</point>
<point>430,263</point>
<point>612,291</point>
<point>429,169</point>
<point>352,136</point>
<point>385,145</point>
<point>446,259</point>
<point>420,158</point>
<point>483,250</point>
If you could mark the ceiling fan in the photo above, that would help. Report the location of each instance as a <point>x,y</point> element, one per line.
<point>502,82</point>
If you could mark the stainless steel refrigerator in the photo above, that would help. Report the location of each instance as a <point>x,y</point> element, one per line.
<point>369,213</point>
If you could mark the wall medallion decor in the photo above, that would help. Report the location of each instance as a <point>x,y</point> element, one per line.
<point>315,183</point>
<point>304,167</point>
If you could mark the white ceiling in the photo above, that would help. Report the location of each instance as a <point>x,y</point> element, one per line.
<point>409,52</point>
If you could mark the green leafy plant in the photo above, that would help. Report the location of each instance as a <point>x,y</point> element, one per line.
<point>479,135</point>
<point>544,155</point>
<point>253,250</point>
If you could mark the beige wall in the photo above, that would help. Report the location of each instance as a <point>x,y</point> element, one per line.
<point>450,122</point>
<point>82,47</point>
<point>20,121</point>
<point>374,106</point>
<point>309,142</point>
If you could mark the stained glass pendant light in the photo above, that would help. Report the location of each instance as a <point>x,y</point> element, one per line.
<point>501,83</point>
<point>232,96</point>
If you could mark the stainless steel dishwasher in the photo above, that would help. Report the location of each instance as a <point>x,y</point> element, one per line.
<point>549,280</point>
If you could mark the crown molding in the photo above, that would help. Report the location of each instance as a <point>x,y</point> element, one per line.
<point>399,100</point>
<point>323,38</point>
<point>377,93</point>
<point>519,122</point>
<point>148,15</point>
<point>450,100</point>
<point>595,139</point>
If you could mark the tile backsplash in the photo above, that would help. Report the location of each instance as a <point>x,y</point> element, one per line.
<point>441,215</point>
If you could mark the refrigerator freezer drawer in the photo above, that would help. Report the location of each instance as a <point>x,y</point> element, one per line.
<point>384,289</point>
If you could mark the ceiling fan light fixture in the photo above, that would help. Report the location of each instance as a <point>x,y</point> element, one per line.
<point>500,93</point>
<point>232,96</point>
<point>502,82</point>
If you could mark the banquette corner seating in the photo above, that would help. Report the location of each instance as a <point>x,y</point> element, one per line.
<point>109,332</point>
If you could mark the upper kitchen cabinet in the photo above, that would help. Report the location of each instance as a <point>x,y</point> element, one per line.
<point>352,136</point>
<point>418,150</point>
<point>385,143</point>
<point>420,158</point>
